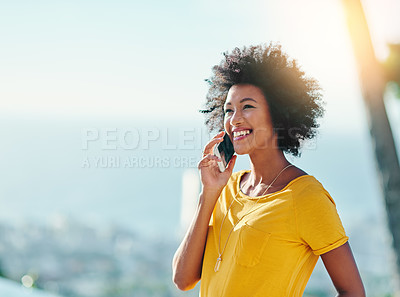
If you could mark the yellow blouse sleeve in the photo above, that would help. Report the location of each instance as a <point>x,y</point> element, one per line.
<point>318,223</point>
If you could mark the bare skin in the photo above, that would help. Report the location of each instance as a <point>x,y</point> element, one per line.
<point>246,110</point>
<point>188,258</point>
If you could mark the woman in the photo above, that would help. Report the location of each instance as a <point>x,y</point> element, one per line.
<point>259,232</point>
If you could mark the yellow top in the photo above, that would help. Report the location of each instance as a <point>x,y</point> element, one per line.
<point>274,248</point>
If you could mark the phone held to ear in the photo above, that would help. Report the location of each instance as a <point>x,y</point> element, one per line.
<point>224,150</point>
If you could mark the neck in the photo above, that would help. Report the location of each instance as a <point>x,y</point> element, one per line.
<point>265,166</point>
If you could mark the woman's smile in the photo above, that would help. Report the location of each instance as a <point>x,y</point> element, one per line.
<point>247,119</point>
<point>239,134</point>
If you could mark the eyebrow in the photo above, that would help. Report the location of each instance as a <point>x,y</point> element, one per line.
<point>243,100</point>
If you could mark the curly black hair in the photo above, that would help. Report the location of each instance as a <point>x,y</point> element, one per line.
<point>294,100</point>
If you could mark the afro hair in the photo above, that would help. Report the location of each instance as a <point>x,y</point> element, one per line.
<point>294,100</point>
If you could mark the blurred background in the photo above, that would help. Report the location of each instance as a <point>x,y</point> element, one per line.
<point>100,134</point>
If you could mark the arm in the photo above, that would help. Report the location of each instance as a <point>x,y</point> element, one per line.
<point>188,259</point>
<point>343,271</point>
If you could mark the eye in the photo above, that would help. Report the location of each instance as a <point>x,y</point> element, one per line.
<point>248,106</point>
<point>228,110</point>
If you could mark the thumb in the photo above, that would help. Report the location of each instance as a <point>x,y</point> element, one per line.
<point>231,164</point>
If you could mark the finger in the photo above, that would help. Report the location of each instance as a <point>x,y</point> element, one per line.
<point>208,149</point>
<point>231,164</point>
<point>207,159</point>
<point>219,134</point>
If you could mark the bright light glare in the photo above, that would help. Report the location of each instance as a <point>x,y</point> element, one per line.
<point>27,281</point>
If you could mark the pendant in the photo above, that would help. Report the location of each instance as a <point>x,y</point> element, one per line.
<point>217,264</point>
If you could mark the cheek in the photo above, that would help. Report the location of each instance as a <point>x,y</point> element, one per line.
<point>264,131</point>
<point>226,124</point>
<point>263,137</point>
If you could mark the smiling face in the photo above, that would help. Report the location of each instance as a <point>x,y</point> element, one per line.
<point>247,119</point>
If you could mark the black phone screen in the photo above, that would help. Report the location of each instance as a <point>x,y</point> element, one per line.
<point>226,150</point>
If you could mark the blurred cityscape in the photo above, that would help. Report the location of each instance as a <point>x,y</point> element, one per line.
<point>70,258</point>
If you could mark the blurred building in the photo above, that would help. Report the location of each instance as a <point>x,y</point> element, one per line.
<point>190,194</point>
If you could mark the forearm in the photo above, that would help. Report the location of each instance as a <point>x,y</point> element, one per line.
<point>357,291</point>
<point>343,271</point>
<point>361,294</point>
<point>188,258</point>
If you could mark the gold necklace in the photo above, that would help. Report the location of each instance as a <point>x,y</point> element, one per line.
<point>219,259</point>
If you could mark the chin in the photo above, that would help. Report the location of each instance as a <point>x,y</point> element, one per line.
<point>241,151</point>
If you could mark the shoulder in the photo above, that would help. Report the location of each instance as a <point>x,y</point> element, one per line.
<point>236,176</point>
<point>308,191</point>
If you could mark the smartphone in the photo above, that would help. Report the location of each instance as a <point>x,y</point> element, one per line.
<point>224,150</point>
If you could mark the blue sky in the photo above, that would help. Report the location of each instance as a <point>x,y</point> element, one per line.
<point>150,58</point>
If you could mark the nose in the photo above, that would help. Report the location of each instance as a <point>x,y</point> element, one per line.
<point>236,118</point>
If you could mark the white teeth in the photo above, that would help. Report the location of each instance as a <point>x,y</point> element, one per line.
<point>240,133</point>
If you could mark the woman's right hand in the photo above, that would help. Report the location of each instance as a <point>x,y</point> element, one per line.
<point>212,179</point>
<point>188,259</point>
